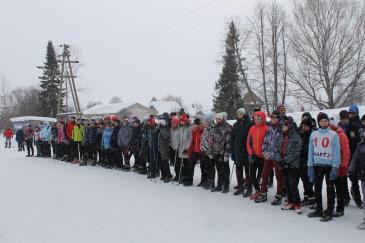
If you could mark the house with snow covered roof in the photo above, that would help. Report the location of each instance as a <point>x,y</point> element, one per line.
<point>161,106</point>
<point>121,109</point>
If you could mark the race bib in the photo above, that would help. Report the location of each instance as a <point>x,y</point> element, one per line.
<point>322,146</point>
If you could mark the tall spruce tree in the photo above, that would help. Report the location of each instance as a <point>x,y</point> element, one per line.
<point>228,96</point>
<point>50,83</point>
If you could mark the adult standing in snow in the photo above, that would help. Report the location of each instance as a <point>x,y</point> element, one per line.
<point>45,135</point>
<point>53,139</point>
<point>115,150</point>
<point>70,145</point>
<point>152,134</point>
<point>8,135</point>
<point>290,154</point>
<point>240,132</point>
<point>106,145</point>
<point>90,138</point>
<point>77,138</point>
<point>357,169</point>
<point>182,146</point>
<point>324,158</point>
<point>255,139</point>
<point>124,142</point>
<point>29,138</point>
<point>164,140</point>
<point>19,137</point>
<point>195,154</point>
<point>208,174</point>
<point>271,153</point>
<point>135,146</point>
<point>219,151</point>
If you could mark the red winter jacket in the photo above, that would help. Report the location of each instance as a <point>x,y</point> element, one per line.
<point>196,134</point>
<point>8,133</point>
<point>69,128</point>
<point>256,136</point>
<point>345,149</point>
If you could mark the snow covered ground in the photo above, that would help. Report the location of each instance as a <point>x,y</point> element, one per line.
<point>43,200</point>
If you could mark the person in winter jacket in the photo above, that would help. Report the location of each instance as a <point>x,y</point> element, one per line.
<point>115,150</point>
<point>77,138</point>
<point>164,140</point>
<point>362,128</point>
<point>144,154</point>
<point>99,136</point>
<point>8,135</point>
<point>152,137</point>
<point>89,141</point>
<point>69,147</point>
<point>255,140</point>
<point>19,137</point>
<point>341,180</point>
<point>106,145</point>
<point>219,151</point>
<point>290,162</point>
<point>174,138</point>
<point>29,138</point>
<point>240,132</point>
<point>308,116</point>
<point>324,158</point>
<point>208,173</point>
<point>306,129</point>
<point>195,153</point>
<point>61,141</point>
<point>357,169</point>
<point>271,153</point>
<point>182,148</point>
<point>45,136</point>
<point>53,140</point>
<point>124,142</point>
<point>351,124</point>
<point>135,145</point>
<point>38,141</point>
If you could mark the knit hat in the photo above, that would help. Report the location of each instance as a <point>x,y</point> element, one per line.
<point>184,118</point>
<point>175,121</point>
<point>281,109</point>
<point>197,121</point>
<point>241,111</point>
<point>307,115</point>
<point>321,116</point>
<point>275,114</point>
<point>219,116</point>
<point>307,122</point>
<point>354,109</point>
<point>344,114</point>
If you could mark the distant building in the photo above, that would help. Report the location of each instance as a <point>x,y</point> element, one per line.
<point>121,109</point>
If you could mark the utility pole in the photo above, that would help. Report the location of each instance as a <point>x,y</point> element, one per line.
<point>67,81</point>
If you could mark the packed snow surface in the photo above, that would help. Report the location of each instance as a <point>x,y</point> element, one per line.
<point>44,200</point>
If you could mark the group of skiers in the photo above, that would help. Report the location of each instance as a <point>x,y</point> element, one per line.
<point>259,148</point>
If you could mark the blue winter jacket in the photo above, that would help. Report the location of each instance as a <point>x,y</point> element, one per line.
<point>106,138</point>
<point>324,148</point>
<point>46,133</point>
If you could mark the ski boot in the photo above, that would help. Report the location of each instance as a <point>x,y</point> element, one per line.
<point>277,200</point>
<point>327,216</point>
<point>261,198</point>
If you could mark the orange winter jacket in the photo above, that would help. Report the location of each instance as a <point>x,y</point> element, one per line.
<point>345,149</point>
<point>256,136</point>
<point>8,133</point>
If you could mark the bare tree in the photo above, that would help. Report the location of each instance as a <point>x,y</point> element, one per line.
<point>328,39</point>
<point>268,26</point>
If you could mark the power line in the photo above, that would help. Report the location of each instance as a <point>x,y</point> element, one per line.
<point>171,27</point>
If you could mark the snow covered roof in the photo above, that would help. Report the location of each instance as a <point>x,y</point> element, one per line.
<point>107,109</point>
<point>164,106</point>
<point>32,118</point>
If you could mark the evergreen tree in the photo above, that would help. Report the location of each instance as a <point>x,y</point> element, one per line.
<point>228,96</point>
<point>50,81</point>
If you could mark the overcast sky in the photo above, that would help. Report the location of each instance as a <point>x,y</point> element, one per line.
<point>134,49</point>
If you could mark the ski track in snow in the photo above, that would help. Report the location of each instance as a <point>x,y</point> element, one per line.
<point>43,200</point>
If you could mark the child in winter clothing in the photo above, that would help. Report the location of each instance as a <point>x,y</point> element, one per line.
<point>124,142</point>
<point>271,153</point>
<point>195,153</point>
<point>8,135</point>
<point>19,137</point>
<point>106,145</point>
<point>341,180</point>
<point>77,138</point>
<point>37,141</point>
<point>164,140</point>
<point>324,158</point>
<point>290,153</point>
<point>357,168</point>
<point>255,140</point>
<point>306,129</point>
<point>29,138</point>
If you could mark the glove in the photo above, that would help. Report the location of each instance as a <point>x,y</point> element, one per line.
<point>310,174</point>
<point>233,157</point>
<point>334,174</point>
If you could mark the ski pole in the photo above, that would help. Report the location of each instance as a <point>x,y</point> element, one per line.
<point>181,165</point>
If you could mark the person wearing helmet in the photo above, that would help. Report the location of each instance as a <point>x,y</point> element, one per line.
<point>240,132</point>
